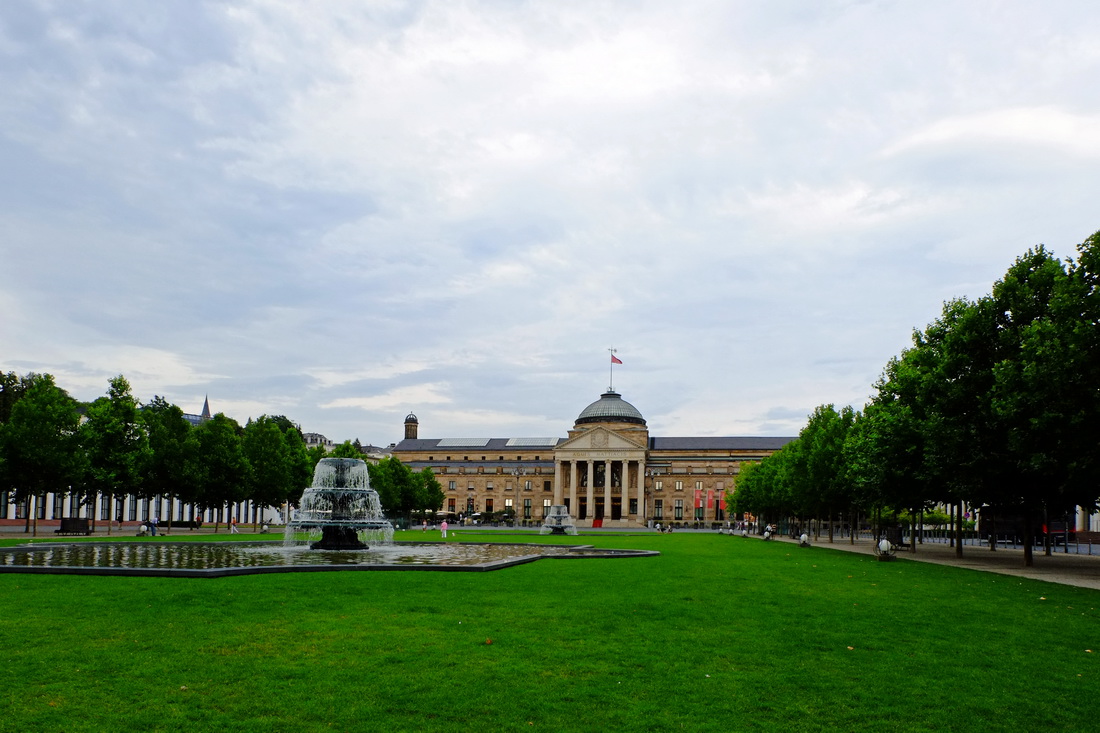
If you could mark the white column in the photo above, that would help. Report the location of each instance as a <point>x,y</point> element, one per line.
<point>573,489</point>
<point>607,490</point>
<point>591,490</point>
<point>641,491</point>
<point>557,482</point>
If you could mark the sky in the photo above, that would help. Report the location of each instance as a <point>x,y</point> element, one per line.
<point>343,212</point>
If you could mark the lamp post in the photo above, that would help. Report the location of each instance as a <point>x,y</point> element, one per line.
<point>519,473</point>
<point>651,473</point>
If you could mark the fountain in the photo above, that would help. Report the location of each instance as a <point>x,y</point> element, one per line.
<point>340,511</point>
<point>558,521</point>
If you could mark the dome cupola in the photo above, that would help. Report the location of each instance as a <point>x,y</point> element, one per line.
<point>610,408</point>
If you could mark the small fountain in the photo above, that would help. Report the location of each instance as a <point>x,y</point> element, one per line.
<point>340,511</point>
<point>558,521</point>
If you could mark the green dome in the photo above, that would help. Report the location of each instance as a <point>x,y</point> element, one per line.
<point>610,408</point>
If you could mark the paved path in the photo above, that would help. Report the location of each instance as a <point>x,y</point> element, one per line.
<point>1067,569</point>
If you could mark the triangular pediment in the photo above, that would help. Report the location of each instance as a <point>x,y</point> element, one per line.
<point>599,439</point>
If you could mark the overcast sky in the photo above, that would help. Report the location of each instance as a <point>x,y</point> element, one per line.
<point>346,211</point>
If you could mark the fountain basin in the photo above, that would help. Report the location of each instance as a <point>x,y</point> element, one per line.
<point>221,559</point>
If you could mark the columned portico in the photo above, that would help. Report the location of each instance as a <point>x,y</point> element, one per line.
<point>606,454</point>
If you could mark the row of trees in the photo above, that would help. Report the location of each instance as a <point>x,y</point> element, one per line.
<point>122,447</point>
<point>995,405</point>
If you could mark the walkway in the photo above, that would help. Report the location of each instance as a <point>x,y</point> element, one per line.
<point>1068,569</point>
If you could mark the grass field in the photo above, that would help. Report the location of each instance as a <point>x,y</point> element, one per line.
<point>718,633</point>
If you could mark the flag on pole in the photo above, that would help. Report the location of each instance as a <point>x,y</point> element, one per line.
<point>615,359</point>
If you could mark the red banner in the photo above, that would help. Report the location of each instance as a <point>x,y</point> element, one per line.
<point>710,499</point>
<point>698,498</point>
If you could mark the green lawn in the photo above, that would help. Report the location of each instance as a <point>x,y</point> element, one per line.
<point>718,633</point>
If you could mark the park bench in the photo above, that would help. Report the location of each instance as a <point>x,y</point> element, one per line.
<point>74,525</point>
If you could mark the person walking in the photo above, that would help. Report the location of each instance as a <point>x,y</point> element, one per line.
<point>233,526</point>
<point>443,527</point>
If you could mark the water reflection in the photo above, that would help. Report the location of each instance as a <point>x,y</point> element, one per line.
<point>212,556</point>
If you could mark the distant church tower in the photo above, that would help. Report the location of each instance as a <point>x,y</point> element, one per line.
<point>411,425</point>
<point>206,408</point>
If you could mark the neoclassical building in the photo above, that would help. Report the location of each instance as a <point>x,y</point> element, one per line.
<point>608,471</point>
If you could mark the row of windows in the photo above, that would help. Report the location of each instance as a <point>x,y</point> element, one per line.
<point>679,486</point>
<point>678,511</point>
<point>484,458</point>
<point>527,486</point>
<point>528,506</point>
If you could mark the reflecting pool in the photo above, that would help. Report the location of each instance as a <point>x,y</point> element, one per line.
<point>215,559</point>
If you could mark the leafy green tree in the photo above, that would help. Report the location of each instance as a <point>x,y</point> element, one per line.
<point>347,449</point>
<point>166,470</point>
<point>823,489</point>
<point>300,465</point>
<point>268,453</point>
<point>115,443</point>
<point>216,464</point>
<point>429,492</point>
<point>40,443</point>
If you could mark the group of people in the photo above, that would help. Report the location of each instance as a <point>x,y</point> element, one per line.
<point>664,528</point>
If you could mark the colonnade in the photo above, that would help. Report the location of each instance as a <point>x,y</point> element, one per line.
<point>600,481</point>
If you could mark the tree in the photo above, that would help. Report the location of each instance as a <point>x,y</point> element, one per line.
<point>300,465</point>
<point>403,492</point>
<point>216,464</point>
<point>270,468</point>
<point>40,443</point>
<point>430,491</point>
<point>115,443</point>
<point>346,450</point>
<point>166,470</point>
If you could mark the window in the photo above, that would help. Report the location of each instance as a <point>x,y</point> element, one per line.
<point>545,508</point>
<point>105,508</point>
<point>633,506</point>
<point>132,515</point>
<point>527,485</point>
<point>58,506</point>
<point>507,504</point>
<point>470,486</point>
<point>489,487</point>
<point>451,506</point>
<point>698,513</point>
<point>658,485</point>
<point>526,508</point>
<point>679,485</point>
<point>658,508</point>
<point>451,486</point>
<point>698,485</point>
<point>679,509</point>
<point>489,506</point>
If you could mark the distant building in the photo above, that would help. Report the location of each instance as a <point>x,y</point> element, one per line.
<point>608,471</point>
<point>199,419</point>
<point>316,439</point>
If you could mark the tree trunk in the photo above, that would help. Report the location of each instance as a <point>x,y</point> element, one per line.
<point>958,530</point>
<point>1046,531</point>
<point>1029,540</point>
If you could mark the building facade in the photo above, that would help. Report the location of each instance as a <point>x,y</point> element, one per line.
<point>608,470</point>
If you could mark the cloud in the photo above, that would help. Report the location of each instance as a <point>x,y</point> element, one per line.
<point>1047,127</point>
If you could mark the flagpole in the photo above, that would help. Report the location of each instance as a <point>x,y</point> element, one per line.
<point>611,372</point>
